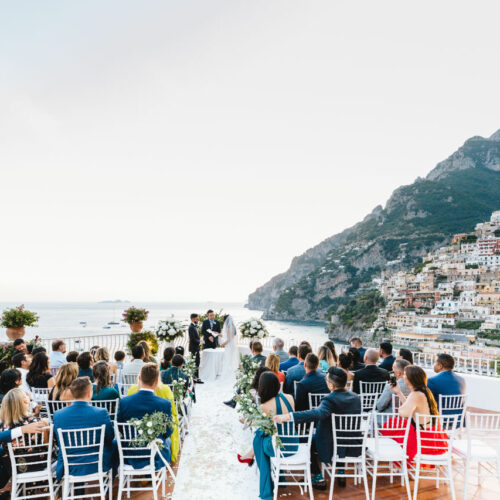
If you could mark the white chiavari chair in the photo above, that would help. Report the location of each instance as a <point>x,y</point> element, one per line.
<point>315,399</point>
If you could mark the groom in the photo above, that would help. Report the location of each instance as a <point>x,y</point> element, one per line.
<point>211,341</point>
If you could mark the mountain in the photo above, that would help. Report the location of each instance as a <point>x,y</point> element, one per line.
<point>458,193</point>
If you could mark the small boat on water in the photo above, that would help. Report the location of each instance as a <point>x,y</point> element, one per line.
<point>106,327</point>
<point>83,323</point>
<point>113,323</point>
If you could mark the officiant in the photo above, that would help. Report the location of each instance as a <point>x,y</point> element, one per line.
<point>208,328</point>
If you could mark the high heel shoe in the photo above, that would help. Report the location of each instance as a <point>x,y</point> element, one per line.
<point>248,461</point>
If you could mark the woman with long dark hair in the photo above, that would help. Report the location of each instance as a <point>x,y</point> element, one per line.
<point>39,375</point>
<point>168,354</point>
<point>103,387</point>
<point>405,354</point>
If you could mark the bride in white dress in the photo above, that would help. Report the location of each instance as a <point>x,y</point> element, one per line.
<point>231,351</point>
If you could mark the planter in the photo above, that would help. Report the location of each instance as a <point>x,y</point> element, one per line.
<point>136,326</point>
<point>15,333</point>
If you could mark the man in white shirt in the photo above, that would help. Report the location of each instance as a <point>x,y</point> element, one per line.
<point>58,354</point>
<point>22,364</point>
<point>134,367</point>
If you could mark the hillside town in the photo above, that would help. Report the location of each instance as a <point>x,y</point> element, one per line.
<point>451,300</point>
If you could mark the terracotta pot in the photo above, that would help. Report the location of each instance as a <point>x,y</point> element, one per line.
<point>136,326</point>
<point>15,333</point>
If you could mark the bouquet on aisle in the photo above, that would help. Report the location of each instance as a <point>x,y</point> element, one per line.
<point>253,329</point>
<point>170,329</point>
<point>149,428</point>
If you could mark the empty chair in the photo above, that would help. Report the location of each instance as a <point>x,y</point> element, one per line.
<point>369,392</point>
<point>454,404</point>
<point>127,381</point>
<point>315,399</point>
<point>53,406</point>
<point>111,406</point>
<point>41,395</point>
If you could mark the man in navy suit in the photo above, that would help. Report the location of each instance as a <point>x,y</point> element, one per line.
<point>386,355</point>
<point>194,344</point>
<point>339,402</point>
<point>371,372</point>
<point>146,402</point>
<point>81,415</point>
<point>313,382</point>
<point>292,359</point>
<point>211,340</point>
<point>297,372</point>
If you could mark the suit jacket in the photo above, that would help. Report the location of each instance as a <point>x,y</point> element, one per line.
<point>387,363</point>
<point>297,373</point>
<point>292,361</point>
<point>194,338</point>
<point>283,355</point>
<point>216,328</point>
<point>81,415</point>
<point>260,358</point>
<point>138,405</point>
<point>340,402</point>
<point>370,373</point>
<point>446,383</point>
<point>312,382</point>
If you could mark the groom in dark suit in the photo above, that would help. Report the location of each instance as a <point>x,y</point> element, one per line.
<point>211,341</point>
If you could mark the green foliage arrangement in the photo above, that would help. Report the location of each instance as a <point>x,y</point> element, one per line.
<point>189,366</point>
<point>17,317</point>
<point>134,315</point>
<point>149,429</point>
<point>149,337</point>
<point>179,389</point>
<point>7,350</point>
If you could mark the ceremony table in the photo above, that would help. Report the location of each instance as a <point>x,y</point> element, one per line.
<point>211,364</point>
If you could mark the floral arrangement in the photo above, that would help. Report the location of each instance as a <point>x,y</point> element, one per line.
<point>149,337</point>
<point>170,329</point>
<point>253,329</point>
<point>134,315</point>
<point>179,389</point>
<point>189,366</point>
<point>149,428</point>
<point>17,317</point>
<point>245,373</point>
<point>7,350</point>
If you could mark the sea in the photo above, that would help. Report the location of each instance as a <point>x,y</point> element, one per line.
<point>69,319</point>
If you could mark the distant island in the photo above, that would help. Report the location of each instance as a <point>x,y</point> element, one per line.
<point>116,301</point>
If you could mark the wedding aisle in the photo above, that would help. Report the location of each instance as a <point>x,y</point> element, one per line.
<point>208,468</point>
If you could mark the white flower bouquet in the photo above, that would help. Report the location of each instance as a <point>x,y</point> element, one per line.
<point>149,429</point>
<point>253,329</point>
<point>170,329</point>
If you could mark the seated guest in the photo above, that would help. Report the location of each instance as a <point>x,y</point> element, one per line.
<point>338,402</point>
<point>357,343</point>
<point>292,359</point>
<point>64,378</point>
<point>168,354</point>
<point>446,382</point>
<point>37,349</point>
<point>58,354</point>
<point>297,372</point>
<point>10,379</point>
<point>175,372</point>
<point>357,364</point>
<point>146,402</point>
<point>93,350</point>
<point>20,346</point>
<point>135,366</point>
<point>179,350</point>
<point>257,349</point>
<point>85,362</point>
<point>405,354</point>
<point>345,362</point>
<point>102,354</point>
<point>80,415</point>
<point>71,357</point>
<point>39,375</point>
<point>384,403</point>
<point>21,363</point>
<point>119,359</point>
<point>273,363</point>
<point>331,346</point>
<point>386,355</point>
<point>325,357</point>
<point>148,356</point>
<point>255,382</point>
<point>371,372</point>
<point>103,387</point>
<point>278,346</point>
<point>313,382</point>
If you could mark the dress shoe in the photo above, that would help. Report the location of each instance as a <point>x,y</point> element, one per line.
<point>341,482</point>
<point>199,381</point>
<point>248,461</point>
<point>231,403</point>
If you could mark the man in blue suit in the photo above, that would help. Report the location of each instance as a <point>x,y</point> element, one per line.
<point>81,415</point>
<point>338,402</point>
<point>297,372</point>
<point>146,402</point>
<point>387,357</point>
<point>313,382</point>
<point>292,359</point>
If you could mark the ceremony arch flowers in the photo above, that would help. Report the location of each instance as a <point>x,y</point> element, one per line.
<point>170,329</point>
<point>254,328</point>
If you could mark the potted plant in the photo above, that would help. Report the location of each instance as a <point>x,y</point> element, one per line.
<point>15,319</point>
<point>135,317</point>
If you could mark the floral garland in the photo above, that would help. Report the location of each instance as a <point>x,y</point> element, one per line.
<point>189,366</point>
<point>254,328</point>
<point>149,428</point>
<point>170,329</point>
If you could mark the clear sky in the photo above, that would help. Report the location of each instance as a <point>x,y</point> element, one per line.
<point>188,150</point>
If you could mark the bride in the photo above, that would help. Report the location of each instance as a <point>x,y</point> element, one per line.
<point>231,352</point>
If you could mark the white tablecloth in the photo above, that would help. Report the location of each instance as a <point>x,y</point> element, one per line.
<point>211,364</point>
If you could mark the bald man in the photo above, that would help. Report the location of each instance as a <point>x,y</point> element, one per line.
<point>371,372</point>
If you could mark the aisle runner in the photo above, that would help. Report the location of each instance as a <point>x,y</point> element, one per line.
<point>209,468</point>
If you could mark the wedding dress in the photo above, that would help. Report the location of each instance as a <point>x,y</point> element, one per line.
<point>231,351</point>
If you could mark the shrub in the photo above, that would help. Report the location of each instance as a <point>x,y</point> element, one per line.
<point>16,317</point>
<point>134,315</point>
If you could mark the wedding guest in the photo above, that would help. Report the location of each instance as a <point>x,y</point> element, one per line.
<point>357,343</point>
<point>292,359</point>
<point>148,356</point>
<point>313,382</point>
<point>64,378</point>
<point>175,372</point>
<point>386,355</point>
<point>345,363</point>
<point>119,359</point>
<point>273,363</point>
<point>103,387</point>
<point>71,357</point>
<point>21,363</point>
<point>134,367</point>
<point>10,379</point>
<point>257,349</point>
<point>80,415</point>
<point>102,354</point>
<point>278,345</point>
<point>325,357</point>
<point>179,350</point>
<point>168,354</point>
<point>194,343</point>
<point>384,403</point>
<point>85,362</point>
<point>58,354</point>
<point>39,375</point>
<point>357,364</point>
<point>20,345</point>
<point>93,350</point>
<point>255,382</point>
<point>146,402</point>
<point>338,402</point>
<point>331,346</point>
<point>297,372</point>
<point>405,354</point>
<point>371,372</point>
<point>37,349</point>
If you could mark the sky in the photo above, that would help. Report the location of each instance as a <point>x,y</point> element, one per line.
<point>187,151</point>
